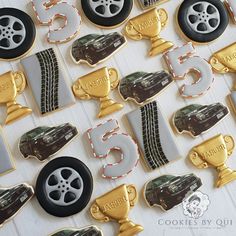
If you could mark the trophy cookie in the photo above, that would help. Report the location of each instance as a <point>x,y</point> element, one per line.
<point>214,152</point>
<point>146,4</point>
<point>12,84</point>
<point>64,186</point>
<point>17,33</point>
<point>44,142</point>
<point>168,191</point>
<point>148,26</point>
<point>115,205</point>
<point>47,81</point>
<point>103,139</point>
<point>6,163</point>
<point>181,61</point>
<point>12,200</point>
<point>48,11</point>
<point>95,48</point>
<point>107,14</point>
<point>153,135</point>
<point>86,231</point>
<point>202,21</point>
<point>196,119</point>
<point>98,85</point>
<point>141,87</point>
<point>231,6</point>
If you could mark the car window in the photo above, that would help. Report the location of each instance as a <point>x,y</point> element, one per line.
<point>161,180</point>
<point>134,76</point>
<point>87,38</point>
<point>37,131</point>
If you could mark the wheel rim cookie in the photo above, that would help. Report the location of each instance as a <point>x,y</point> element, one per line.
<point>202,21</point>
<point>61,188</point>
<point>17,33</point>
<point>107,13</point>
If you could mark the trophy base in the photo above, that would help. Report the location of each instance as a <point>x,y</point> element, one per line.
<point>159,46</point>
<point>229,177</point>
<point>130,229</point>
<point>108,107</point>
<point>15,112</point>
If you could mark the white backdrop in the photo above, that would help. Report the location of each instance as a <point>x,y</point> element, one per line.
<point>32,220</point>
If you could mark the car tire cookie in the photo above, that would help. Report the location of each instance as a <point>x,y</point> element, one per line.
<point>17,33</point>
<point>107,13</point>
<point>202,21</point>
<point>64,186</point>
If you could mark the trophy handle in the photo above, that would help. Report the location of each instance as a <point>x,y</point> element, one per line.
<point>133,195</point>
<point>197,160</point>
<point>218,66</point>
<point>79,92</point>
<point>97,214</point>
<point>163,16</point>
<point>114,77</point>
<point>230,144</point>
<point>132,32</point>
<point>20,81</point>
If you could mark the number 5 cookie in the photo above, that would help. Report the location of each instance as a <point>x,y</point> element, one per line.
<point>103,139</point>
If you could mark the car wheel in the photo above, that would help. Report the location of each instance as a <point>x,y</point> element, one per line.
<point>17,33</point>
<point>107,13</point>
<point>202,21</point>
<point>64,186</point>
<point>163,204</point>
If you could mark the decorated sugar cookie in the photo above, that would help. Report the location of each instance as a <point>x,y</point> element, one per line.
<point>48,11</point>
<point>182,60</point>
<point>202,21</point>
<point>43,142</point>
<point>142,86</point>
<point>231,5</point>
<point>168,191</point>
<point>107,14</point>
<point>146,4</point>
<point>103,139</point>
<point>153,135</point>
<point>17,33</point>
<point>47,81</point>
<point>196,119</point>
<point>12,199</point>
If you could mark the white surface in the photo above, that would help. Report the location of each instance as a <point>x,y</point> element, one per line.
<point>32,220</point>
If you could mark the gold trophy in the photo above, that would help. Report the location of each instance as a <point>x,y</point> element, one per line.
<point>149,25</point>
<point>214,152</point>
<point>115,205</point>
<point>98,85</point>
<point>12,84</point>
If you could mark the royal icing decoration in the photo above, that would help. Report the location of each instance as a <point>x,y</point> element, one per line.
<point>47,12</point>
<point>181,61</point>
<point>231,5</point>
<point>104,139</point>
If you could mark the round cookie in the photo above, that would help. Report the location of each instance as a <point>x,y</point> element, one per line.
<point>202,21</point>
<point>17,33</point>
<point>64,186</point>
<point>107,13</point>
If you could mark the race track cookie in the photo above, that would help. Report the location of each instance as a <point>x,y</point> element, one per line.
<point>103,139</point>
<point>12,84</point>
<point>181,61</point>
<point>142,87</point>
<point>148,26</point>
<point>6,163</point>
<point>146,4</point>
<point>12,200</point>
<point>48,11</point>
<point>107,14</point>
<point>64,186</point>
<point>153,135</point>
<point>196,119</point>
<point>44,142</point>
<point>202,21</point>
<point>168,191</point>
<point>214,152</point>
<point>231,6</point>
<point>86,231</point>
<point>115,206</point>
<point>17,33</point>
<point>98,85</point>
<point>95,48</point>
<point>47,81</point>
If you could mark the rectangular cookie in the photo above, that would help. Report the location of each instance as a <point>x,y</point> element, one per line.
<point>47,81</point>
<point>6,163</point>
<point>154,136</point>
